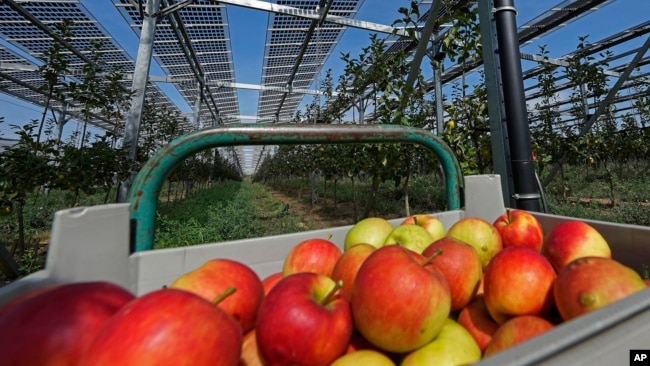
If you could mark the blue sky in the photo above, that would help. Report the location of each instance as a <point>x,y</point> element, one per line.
<point>248,32</point>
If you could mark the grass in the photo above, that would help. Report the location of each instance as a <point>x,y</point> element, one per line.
<point>227,211</point>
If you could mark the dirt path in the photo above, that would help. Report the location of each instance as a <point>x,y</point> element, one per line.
<point>320,216</point>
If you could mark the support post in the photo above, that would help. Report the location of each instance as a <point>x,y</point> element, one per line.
<point>523,168</point>
<point>496,109</point>
<point>139,86</point>
<point>60,123</point>
<point>197,106</point>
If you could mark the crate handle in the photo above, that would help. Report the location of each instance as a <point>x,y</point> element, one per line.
<point>143,194</point>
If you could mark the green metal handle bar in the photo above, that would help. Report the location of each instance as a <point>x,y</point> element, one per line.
<point>143,195</point>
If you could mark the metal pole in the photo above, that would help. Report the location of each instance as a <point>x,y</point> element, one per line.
<point>197,105</point>
<point>423,43</point>
<point>496,109</point>
<point>139,86</point>
<point>523,169</point>
<point>437,74</point>
<point>63,119</point>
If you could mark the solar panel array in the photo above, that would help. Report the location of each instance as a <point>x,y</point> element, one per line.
<point>190,44</point>
<point>282,67</point>
<point>20,75</point>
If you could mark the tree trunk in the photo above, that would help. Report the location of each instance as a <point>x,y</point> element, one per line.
<point>370,204</point>
<point>354,200</point>
<point>407,207</point>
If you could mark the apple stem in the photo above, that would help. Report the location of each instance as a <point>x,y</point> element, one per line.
<point>329,237</point>
<point>330,295</point>
<point>222,296</point>
<point>433,255</point>
<point>508,214</point>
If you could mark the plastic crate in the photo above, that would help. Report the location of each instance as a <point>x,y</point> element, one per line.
<point>99,243</point>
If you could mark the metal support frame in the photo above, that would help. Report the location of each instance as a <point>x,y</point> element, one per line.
<point>526,192</point>
<point>604,104</point>
<point>303,49</point>
<point>315,15</point>
<point>496,109</point>
<point>197,107</point>
<point>139,87</point>
<point>423,43</point>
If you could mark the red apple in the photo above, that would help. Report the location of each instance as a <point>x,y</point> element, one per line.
<point>479,323</point>
<point>432,224</point>
<point>57,325</point>
<point>371,230</point>
<point>519,227</point>
<point>167,327</point>
<point>271,280</point>
<point>348,265</point>
<point>647,282</point>
<point>571,240</point>
<point>518,281</point>
<point>16,301</point>
<point>399,301</point>
<point>312,255</point>
<point>480,234</point>
<point>589,283</point>
<point>515,331</point>
<point>250,352</point>
<point>215,276</point>
<point>460,265</point>
<point>303,320</point>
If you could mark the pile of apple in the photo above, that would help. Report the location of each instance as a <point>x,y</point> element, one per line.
<point>412,294</point>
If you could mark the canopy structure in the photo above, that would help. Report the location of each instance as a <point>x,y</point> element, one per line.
<point>192,54</point>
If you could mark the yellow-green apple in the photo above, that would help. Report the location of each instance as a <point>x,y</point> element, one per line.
<point>364,357</point>
<point>430,223</point>
<point>399,300</point>
<point>480,234</point>
<point>589,283</point>
<point>571,240</point>
<point>453,346</point>
<point>304,320</point>
<point>269,281</point>
<point>479,323</point>
<point>515,331</point>
<point>371,230</point>
<point>461,266</point>
<point>410,236</point>
<point>348,265</point>
<point>55,326</point>
<point>518,281</point>
<point>167,327</point>
<point>217,275</point>
<point>312,255</point>
<point>520,227</point>
<point>250,353</point>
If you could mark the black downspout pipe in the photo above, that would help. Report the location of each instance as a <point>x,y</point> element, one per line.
<point>518,132</point>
